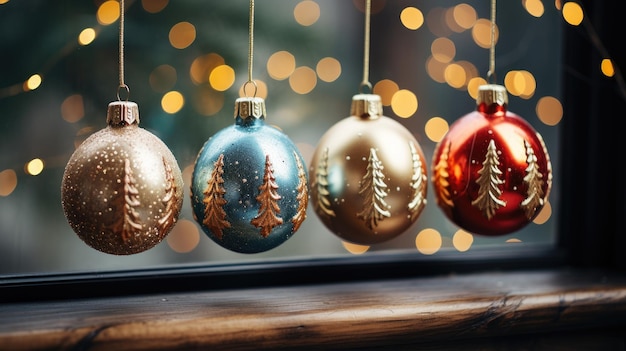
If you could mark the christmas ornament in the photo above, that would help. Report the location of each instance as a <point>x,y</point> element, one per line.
<point>249,184</point>
<point>122,189</point>
<point>491,171</point>
<point>368,174</point>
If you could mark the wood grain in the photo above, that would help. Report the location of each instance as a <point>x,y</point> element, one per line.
<point>446,310</point>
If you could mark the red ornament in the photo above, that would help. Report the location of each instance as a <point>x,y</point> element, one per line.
<point>491,172</point>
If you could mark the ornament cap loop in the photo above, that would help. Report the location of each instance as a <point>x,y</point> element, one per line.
<point>246,107</point>
<point>122,113</point>
<point>366,106</point>
<point>490,94</point>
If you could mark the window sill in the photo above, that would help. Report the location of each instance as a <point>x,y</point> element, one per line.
<point>461,311</point>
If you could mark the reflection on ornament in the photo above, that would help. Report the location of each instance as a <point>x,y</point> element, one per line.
<point>122,188</point>
<point>370,176</point>
<point>249,189</point>
<point>491,172</point>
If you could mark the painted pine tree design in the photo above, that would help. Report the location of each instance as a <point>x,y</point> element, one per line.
<point>489,193</point>
<point>373,190</point>
<point>267,217</point>
<point>441,176</point>
<point>302,197</point>
<point>418,184</point>
<point>321,184</point>
<point>169,200</point>
<point>214,214</point>
<point>534,182</point>
<point>130,221</point>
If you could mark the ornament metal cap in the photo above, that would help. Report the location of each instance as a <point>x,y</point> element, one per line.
<point>492,94</point>
<point>250,107</point>
<point>366,106</point>
<point>122,113</point>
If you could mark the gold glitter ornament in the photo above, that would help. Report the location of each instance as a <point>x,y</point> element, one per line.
<point>122,189</point>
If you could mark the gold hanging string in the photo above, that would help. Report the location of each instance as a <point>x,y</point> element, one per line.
<point>250,52</point>
<point>491,75</point>
<point>122,85</point>
<point>366,48</point>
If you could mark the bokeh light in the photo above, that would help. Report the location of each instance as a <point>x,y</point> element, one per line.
<point>455,75</point>
<point>222,77</point>
<point>33,82</point>
<point>182,35</point>
<point>281,65</point>
<point>306,12</point>
<point>412,18</point>
<point>385,88</point>
<point>162,78</point>
<point>549,110</point>
<point>154,6</point>
<point>473,84</point>
<point>534,7</point>
<point>572,13</point>
<point>207,101</point>
<point>462,240</point>
<point>436,69</point>
<point>328,69</point>
<point>108,12</point>
<point>544,215</point>
<point>481,33</point>
<point>436,128</point>
<point>34,167</point>
<point>261,89</point>
<point>184,237</point>
<point>443,50</point>
<point>172,102</point>
<point>404,103</point>
<point>355,249</point>
<point>73,108</point>
<point>464,15</point>
<point>606,66</point>
<point>202,66</point>
<point>428,241</point>
<point>520,83</point>
<point>8,182</point>
<point>86,36</point>
<point>303,80</point>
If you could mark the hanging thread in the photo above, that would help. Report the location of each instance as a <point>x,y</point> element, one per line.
<point>491,75</point>
<point>366,48</point>
<point>250,52</point>
<point>121,58</point>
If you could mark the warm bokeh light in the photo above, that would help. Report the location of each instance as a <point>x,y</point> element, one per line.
<point>473,84</point>
<point>328,69</point>
<point>385,89</point>
<point>436,22</point>
<point>573,13</point>
<point>436,69</point>
<point>34,167</point>
<point>281,65</point>
<point>428,241</point>
<point>222,77</point>
<point>162,78</point>
<point>404,103</point>
<point>8,182</point>
<point>544,215</point>
<point>73,108</point>
<point>520,83</point>
<point>86,36</point>
<point>513,241</point>
<point>462,240</point>
<point>448,18</point>
<point>443,50</point>
<point>108,12</point>
<point>534,7</point>
<point>607,67</point>
<point>481,33</point>
<point>306,12</point>
<point>355,249</point>
<point>412,18</point>
<point>172,102</point>
<point>2,2</point>
<point>182,35</point>
<point>464,15</point>
<point>184,237</point>
<point>33,82</point>
<point>207,101</point>
<point>455,75</point>
<point>436,128</point>
<point>154,6</point>
<point>549,110</point>
<point>258,89</point>
<point>303,80</point>
<point>202,66</point>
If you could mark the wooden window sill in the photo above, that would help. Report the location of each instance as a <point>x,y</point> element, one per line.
<point>467,311</point>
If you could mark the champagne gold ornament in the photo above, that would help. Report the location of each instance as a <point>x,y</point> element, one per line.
<point>368,182</point>
<point>249,186</point>
<point>122,189</point>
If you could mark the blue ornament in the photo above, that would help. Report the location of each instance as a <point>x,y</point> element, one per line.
<point>249,184</point>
